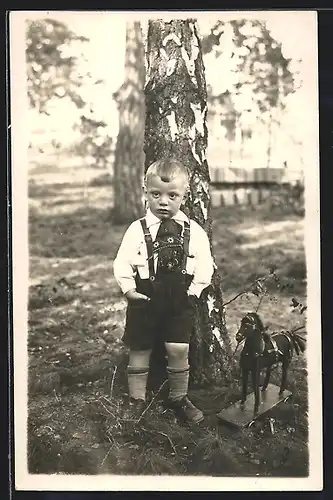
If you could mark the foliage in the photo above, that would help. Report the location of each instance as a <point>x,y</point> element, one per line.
<point>263,65</point>
<point>52,55</point>
<point>258,65</point>
<point>96,146</point>
<point>51,64</point>
<point>261,72</point>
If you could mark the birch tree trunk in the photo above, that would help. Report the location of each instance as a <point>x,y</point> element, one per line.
<point>176,108</point>
<point>129,155</point>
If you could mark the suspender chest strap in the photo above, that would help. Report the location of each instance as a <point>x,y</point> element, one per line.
<point>186,244</point>
<point>149,245</point>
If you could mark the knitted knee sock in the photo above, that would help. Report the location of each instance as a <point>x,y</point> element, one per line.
<point>178,382</point>
<point>137,381</point>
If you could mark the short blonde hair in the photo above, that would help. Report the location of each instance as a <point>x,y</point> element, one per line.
<point>167,169</point>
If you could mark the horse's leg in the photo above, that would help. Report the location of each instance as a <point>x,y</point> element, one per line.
<point>267,377</point>
<point>245,376</point>
<point>285,366</point>
<point>255,383</point>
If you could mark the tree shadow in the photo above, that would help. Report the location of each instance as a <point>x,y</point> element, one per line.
<point>36,190</point>
<point>86,231</point>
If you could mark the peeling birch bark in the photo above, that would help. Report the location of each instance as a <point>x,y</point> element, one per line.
<point>129,154</point>
<point>176,110</point>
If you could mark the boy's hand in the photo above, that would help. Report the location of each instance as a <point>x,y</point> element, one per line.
<point>134,295</point>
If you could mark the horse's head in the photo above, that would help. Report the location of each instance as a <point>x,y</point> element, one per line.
<point>250,324</point>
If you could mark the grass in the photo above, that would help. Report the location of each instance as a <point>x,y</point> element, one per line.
<point>76,318</point>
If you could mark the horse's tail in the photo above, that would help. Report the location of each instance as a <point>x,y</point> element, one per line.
<point>298,342</point>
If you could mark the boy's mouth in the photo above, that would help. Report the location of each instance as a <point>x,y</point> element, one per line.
<point>163,214</point>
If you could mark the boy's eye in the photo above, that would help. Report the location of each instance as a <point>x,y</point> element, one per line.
<point>173,196</point>
<point>155,194</point>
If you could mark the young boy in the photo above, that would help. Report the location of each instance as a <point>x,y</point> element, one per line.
<point>164,259</point>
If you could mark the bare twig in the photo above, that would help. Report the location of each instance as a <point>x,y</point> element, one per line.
<point>260,301</point>
<point>110,438</point>
<point>235,297</point>
<point>151,402</point>
<point>163,434</point>
<point>246,290</point>
<point>106,456</point>
<point>110,412</point>
<point>170,441</point>
<point>109,402</point>
<point>113,379</point>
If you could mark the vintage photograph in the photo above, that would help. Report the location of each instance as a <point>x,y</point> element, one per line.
<point>166,271</point>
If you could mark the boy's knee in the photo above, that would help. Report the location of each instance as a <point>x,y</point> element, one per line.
<point>138,359</point>
<point>177,351</point>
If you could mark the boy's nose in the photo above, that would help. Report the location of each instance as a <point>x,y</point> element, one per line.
<point>163,201</point>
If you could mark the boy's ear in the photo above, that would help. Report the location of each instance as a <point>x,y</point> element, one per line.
<point>185,195</point>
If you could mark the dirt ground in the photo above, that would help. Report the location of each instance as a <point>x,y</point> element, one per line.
<point>76,318</point>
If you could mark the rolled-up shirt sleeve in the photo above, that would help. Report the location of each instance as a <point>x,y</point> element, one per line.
<point>203,260</point>
<point>123,268</point>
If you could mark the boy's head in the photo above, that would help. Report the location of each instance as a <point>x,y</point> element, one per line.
<point>166,183</point>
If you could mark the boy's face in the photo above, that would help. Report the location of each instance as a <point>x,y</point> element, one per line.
<point>164,198</point>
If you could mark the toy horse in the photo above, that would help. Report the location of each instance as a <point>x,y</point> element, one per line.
<point>261,351</point>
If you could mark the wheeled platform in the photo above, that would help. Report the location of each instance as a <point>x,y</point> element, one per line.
<point>241,416</point>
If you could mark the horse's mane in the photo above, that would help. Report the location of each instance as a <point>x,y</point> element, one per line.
<point>257,320</point>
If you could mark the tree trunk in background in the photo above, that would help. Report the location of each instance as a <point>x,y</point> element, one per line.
<point>176,108</point>
<point>129,155</point>
<point>269,145</point>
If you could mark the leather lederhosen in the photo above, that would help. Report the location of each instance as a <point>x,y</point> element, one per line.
<point>169,309</point>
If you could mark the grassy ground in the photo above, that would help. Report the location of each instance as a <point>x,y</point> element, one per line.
<point>76,317</point>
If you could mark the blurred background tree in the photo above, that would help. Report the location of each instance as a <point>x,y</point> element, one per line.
<point>262,80</point>
<point>129,154</point>
<point>54,56</point>
<point>249,82</point>
<point>51,68</point>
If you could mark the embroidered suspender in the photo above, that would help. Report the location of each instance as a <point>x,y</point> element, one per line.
<point>149,245</point>
<point>186,244</point>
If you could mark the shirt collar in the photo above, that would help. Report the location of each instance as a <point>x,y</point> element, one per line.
<point>151,219</point>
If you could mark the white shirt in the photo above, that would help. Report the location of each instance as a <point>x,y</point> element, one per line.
<point>132,254</point>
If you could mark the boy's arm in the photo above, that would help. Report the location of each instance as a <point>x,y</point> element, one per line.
<point>204,265</point>
<point>123,269</point>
